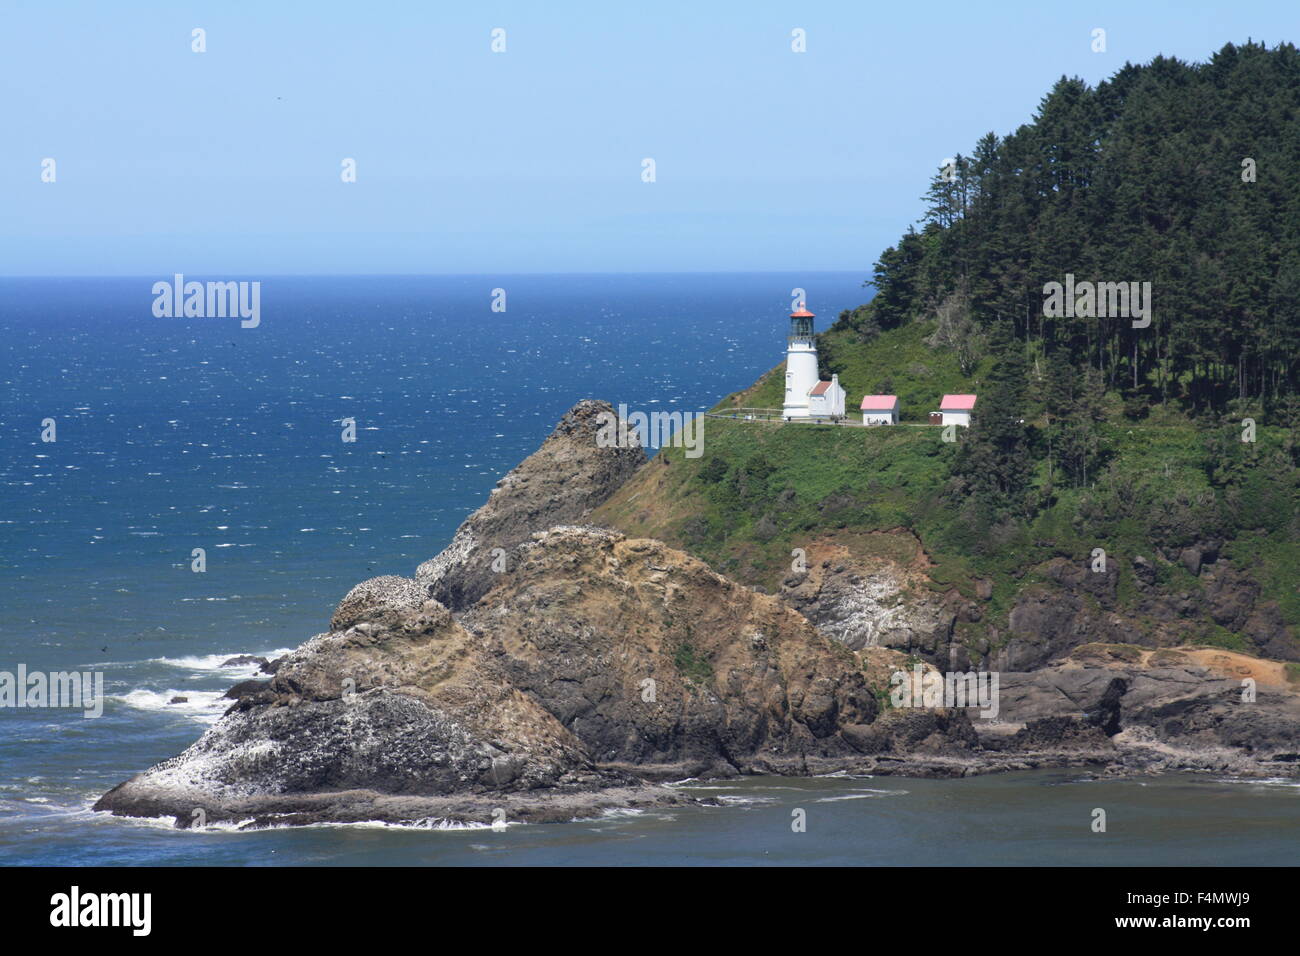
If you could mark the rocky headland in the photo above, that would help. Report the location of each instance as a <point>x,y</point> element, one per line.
<point>544,668</point>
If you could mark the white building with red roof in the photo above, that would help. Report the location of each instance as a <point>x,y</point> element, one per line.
<point>826,399</point>
<point>880,410</point>
<point>805,395</point>
<point>800,364</point>
<point>956,409</point>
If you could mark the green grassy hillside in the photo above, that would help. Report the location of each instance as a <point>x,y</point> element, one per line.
<point>762,489</point>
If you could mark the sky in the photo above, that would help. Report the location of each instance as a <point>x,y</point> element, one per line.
<point>229,161</point>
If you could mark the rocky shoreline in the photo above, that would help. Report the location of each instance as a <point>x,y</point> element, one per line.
<point>542,669</point>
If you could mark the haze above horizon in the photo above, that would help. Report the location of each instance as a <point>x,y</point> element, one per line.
<point>531,160</point>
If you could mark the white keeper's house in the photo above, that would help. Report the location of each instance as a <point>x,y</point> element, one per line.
<point>826,400</point>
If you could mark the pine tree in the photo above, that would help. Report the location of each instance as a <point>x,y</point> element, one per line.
<point>994,457</point>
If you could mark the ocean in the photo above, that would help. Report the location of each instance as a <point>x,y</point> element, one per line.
<point>180,433</point>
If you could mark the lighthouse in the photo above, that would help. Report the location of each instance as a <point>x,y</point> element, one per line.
<point>800,364</point>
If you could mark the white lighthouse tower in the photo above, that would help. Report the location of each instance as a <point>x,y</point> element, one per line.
<point>800,364</point>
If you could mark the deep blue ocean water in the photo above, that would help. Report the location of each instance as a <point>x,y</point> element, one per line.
<point>183,433</point>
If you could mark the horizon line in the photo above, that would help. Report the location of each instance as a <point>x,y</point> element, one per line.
<point>432,275</point>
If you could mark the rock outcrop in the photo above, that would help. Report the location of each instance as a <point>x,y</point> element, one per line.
<point>598,662</point>
<point>560,483</point>
<point>385,591</point>
<point>1161,710</point>
<point>1079,606</point>
<point>877,603</point>
<point>399,715</point>
<point>658,663</point>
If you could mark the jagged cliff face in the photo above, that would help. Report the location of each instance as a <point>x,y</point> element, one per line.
<point>877,602</point>
<point>598,655</point>
<point>874,602</point>
<point>1166,710</point>
<point>1080,606</point>
<point>560,483</point>
<point>654,660</point>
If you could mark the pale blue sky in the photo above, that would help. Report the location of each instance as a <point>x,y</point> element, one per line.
<point>227,162</point>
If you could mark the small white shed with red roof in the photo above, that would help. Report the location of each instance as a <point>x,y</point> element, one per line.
<point>956,409</point>
<point>880,410</point>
